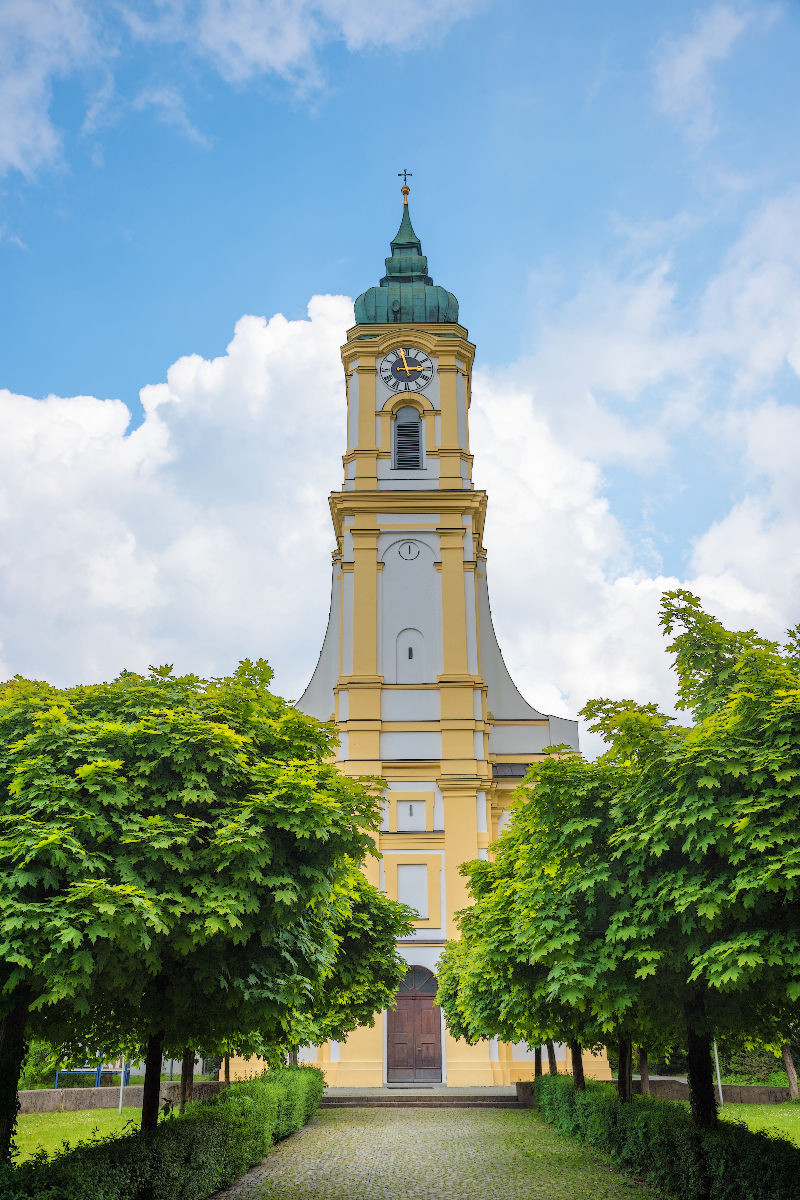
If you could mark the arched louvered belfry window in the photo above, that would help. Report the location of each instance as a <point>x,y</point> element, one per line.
<point>407,439</point>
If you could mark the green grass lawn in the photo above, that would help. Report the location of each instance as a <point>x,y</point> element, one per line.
<point>46,1131</point>
<point>777,1118</point>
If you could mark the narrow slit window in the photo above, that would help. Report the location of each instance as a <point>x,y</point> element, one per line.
<point>407,440</point>
<point>410,651</point>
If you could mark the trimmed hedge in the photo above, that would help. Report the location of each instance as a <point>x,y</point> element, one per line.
<point>184,1158</point>
<point>656,1141</point>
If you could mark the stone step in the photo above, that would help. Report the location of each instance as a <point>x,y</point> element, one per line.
<point>437,1101</point>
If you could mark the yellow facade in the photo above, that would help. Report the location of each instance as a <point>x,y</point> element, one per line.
<point>435,740</point>
<point>410,668</point>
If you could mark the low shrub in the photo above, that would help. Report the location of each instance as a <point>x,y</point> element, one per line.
<point>185,1158</point>
<point>747,1064</point>
<point>656,1140</point>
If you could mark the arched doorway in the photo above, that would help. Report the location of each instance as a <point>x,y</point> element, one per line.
<point>414,1041</point>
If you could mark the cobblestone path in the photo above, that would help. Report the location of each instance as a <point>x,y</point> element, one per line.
<point>439,1154</point>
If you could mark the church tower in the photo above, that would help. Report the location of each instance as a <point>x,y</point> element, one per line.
<point>410,668</point>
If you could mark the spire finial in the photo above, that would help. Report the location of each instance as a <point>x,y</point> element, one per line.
<point>406,292</point>
<point>405,189</point>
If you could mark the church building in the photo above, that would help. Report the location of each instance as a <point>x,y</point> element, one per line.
<point>410,668</point>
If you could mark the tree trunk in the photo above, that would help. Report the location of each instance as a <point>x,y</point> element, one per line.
<point>789,1067</point>
<point>578,1080</point>
<point>537,1062</point>
<point>625,1069</point>
<point>291,1058</point>
<point>702,1100</point>
<point>152,1081</point>
<point>12,1056</point>
<point>644,1071</point>
<point>551,1057</point>
<point>227,1062</point>
<point>187,1077</point>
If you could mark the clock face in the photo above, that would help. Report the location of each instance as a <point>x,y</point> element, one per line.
<point>406,369</point>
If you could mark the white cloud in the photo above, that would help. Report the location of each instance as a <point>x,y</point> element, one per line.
<point>168,102</point>
<point>244,38</point>
<point>628,365</point>
<point>756,546</point>
<point>45,40</point>
<point>618,336</point>
<point>684,84</point>
<point>575,607</point>
<point>202,536</point>
<point>751,308</point>
<point>40,40</point>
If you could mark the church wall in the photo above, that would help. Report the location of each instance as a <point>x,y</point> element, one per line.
<point>317,699</point>
<point>409,575</point>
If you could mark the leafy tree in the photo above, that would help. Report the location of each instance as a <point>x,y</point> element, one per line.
<point>713,818</point>
<point>177,858</point>
<point>363,978</point>
<point>658,887</point>
<point>543,951</point>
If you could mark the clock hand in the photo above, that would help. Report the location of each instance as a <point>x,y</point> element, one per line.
<point>405,367</point>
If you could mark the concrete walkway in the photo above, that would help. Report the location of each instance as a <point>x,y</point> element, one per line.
<point>439,1154</point>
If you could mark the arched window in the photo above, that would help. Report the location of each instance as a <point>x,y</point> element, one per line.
<point>407,440</point>
<point>419,980</point>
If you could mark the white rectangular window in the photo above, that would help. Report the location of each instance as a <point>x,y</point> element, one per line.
<point>410,815</point>
<point>412,887</point>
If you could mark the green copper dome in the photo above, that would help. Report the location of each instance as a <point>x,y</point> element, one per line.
<point>406,293</point>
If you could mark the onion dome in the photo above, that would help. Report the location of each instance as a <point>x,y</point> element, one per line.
<point>406,293</point>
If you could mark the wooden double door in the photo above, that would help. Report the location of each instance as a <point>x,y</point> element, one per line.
<point>414,1041</point>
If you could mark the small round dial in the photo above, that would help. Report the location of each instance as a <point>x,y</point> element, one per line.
<point>406,369</point>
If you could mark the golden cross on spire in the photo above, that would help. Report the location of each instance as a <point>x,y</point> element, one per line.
<point>405,189</point>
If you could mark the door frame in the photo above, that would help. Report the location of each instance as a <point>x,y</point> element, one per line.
<point>433,956</point>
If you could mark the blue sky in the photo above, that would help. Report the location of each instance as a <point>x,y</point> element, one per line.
<point>612,192</point>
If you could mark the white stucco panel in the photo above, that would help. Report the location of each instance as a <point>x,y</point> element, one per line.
<point>412,887</point>
<point>347,622</point>
<point>518,739</point>
<point>481,812</point>
<point>410,605</point>
<point>412,744</point>
<point>411,704</point>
